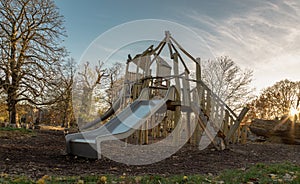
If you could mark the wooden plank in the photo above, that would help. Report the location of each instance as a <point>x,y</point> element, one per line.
<point>177,117</point>
<point>207,88</point>
<point>195,133</point>
<point>182,49</point>
<point>203,122</point>
<point>244,134</point>
<point>198,78</point>
<point>202,98</point>
<point>226,123</point>
<point>176,73</point>
<point>208,103</point>
<point>236,125</point>
<point>188,125</point>
<point>186,90</point>
<point>146,138</point>
<point>181,59</point>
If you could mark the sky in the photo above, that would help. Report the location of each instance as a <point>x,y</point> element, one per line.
<point>263,36</point>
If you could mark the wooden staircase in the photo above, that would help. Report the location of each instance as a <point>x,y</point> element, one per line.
<point>212,112</point>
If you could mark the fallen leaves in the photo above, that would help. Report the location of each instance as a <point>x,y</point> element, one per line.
<point>287,177</point>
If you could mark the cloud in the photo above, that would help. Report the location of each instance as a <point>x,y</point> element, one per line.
<point>261,38</point>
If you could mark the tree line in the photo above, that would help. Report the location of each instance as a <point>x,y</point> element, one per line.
<point>35,70</point>
<point>33,66</point>
<point>279,100</point>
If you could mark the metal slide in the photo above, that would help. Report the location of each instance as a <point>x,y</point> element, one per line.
<point>106,115</point>
<point>87,144</point>
<point>111,111</point>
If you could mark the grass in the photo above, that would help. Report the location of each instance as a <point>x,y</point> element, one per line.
<point>260,173</point>
<point>22,130</point>
<point>11,132</point>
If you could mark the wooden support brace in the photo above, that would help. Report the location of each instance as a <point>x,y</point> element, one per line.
<point>210,136</point>
<point>146,138</point>
<point>200,117</point>
<point>236,125</point>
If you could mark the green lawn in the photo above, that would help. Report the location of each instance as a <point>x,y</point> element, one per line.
<point>260,173</point>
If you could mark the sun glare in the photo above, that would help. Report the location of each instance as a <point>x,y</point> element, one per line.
<point>294,111</point>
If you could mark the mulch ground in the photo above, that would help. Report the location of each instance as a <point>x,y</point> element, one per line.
<point>44,153</point>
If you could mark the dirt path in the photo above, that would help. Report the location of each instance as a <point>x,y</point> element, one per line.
<point>45,154</point>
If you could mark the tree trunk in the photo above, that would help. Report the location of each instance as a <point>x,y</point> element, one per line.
<point>12,106</point>
<point>12,99</point>
<point>284,131</point>
<point>12,88</point>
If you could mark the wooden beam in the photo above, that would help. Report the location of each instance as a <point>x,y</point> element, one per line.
<point>236,125</point>
<point>176,73</point>
<point>183,50</point>
<point>198,69</point>
<point>160,45</point>
<point>181,59</point>
<point>213,94</point>
<point>203,122</point>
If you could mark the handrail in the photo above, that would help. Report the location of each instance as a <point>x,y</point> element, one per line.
<point>203,85</point>
<point>214,95</point>
<point>167,76</point>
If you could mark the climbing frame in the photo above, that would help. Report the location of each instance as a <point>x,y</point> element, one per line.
<point>211,116</point>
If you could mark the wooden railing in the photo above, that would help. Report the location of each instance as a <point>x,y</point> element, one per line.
<point>223,119</point>
<point>213,110</point>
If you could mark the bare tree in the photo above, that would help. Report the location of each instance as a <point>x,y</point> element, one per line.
<point>86,85</point>
<point>114,82</point>
<point>228,81</point>
<point>67,104</point>
<point>30,36</point>
<point>64,92</point>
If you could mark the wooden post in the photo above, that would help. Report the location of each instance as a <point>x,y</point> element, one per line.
<point>198,131</point>
<point>202,98</point>
<point>221,114</point>
<point>176,123</point>
<point>208,103</point>
<point>125,86</point>
<point>158,132</point>
<point>208,133</point>
<point>213,112</point>
<point>236,134</point>
<point>147,62</point>
<point>186,89</point>
<point>188,126</point>
<point>141,135</point>
<point>236,124</point>
<point>226,123</point>
<point>244,134</point>
<point>146,141</point>
<point>176,73</point>
<point>198,78</point>
<point>137,69</point>
<point>134,92</point>
<point>198,69</point>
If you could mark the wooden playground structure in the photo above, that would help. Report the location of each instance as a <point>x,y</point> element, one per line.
<point>195,102</point>
<point>160,101</point>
